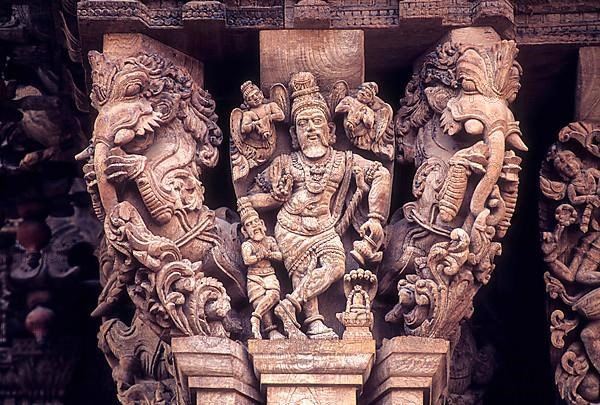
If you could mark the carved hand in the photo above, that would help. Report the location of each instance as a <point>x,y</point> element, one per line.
<point>283,187</point>
<point>373,230</point>
<point>119,168</point>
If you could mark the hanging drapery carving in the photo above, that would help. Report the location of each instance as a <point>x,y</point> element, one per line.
<point>569,222</point>
<point>324,193</point>
<point>163,249</point>
<point>455,126</point>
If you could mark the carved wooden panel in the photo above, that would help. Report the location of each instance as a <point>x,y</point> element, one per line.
<point>455,126</point>
<point>569,222</point>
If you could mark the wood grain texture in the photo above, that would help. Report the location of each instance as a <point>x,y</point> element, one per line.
<point>331,55</point>
<point>125,45</point>
<point>587,102</point>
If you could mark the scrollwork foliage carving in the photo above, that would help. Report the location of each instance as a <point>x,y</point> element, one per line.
<point>454,124</point>
<point>569,182</point>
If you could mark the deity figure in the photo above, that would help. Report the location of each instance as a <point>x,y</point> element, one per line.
<point>253,130</point>
<point>309,187</point>
<point>263,287</point>
<point>571,246</point>
<point>368,121</point>
<point>582,187</point>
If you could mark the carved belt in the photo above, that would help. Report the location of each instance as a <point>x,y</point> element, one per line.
<point>261,271</point>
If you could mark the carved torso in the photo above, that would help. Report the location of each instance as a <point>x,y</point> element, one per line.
<point>309,208</point>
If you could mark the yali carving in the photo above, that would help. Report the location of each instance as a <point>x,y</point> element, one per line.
<point>155,132</point>
<point>569,220</point>
<point>455,125</point>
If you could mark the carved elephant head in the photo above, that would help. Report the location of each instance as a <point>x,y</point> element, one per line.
<point>489,82</point>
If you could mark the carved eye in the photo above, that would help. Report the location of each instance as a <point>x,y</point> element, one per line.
<point>302,123</point>
<point>318,121</point>
<point>469,85</point>
<point>133,89</point>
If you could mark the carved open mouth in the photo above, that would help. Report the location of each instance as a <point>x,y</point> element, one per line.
<point>145,125</point>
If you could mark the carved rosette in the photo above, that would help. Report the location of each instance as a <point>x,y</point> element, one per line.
<point>455,126</point>
<point>163,249</point>
<point>569,222</point>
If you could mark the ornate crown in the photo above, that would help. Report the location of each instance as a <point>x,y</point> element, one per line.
<point>246,210</point>
<point>305,94</point>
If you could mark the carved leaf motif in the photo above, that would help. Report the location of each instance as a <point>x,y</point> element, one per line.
<point>571,371</point>
<point>560,327</point>
<point>554,190</point>
<point>586,133</point>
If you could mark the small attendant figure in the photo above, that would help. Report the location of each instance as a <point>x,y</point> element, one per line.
<point>263,287</point>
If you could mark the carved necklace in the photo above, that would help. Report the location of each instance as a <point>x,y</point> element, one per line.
<point>316,175</point>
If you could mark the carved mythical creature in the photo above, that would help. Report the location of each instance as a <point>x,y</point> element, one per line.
<point>155,131</point>
<point>571,245</point>
<point>455,125</point>
<point>309,188</point>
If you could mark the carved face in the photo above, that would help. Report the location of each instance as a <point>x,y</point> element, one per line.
<point>255,228</point>
<point>255,98</point>
<point>567,164</point>
<point>313,132</point>
<point>137,95</point>
<point>365,95</point>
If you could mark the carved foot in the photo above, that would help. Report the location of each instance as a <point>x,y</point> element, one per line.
<point>318,330</point>
<point>275,335</point>
<point>286,312</point>
<point>255,324</point>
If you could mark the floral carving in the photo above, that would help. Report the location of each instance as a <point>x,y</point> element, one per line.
<point>570,185</point>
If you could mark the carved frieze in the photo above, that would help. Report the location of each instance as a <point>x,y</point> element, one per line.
<point>455,126</point>
<point>569,222</point>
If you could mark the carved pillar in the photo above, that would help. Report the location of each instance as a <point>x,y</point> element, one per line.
<point>164,251</point>
<point>570,225</point>
<point>215,371</point>
<point>409,371</point>
<point>324,190</point>
<point>454,124</point>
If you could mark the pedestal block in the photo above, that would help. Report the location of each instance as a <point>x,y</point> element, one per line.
<point>409,371</point>
<point>215,371</point>
<point>315,371</point>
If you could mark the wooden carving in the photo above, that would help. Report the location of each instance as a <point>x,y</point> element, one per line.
<point>570,185</point>
<point>253,128</point>
<point>455,125</point>
<point>263,286</point>
<point>319,193</point>
<point>155,131</point>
